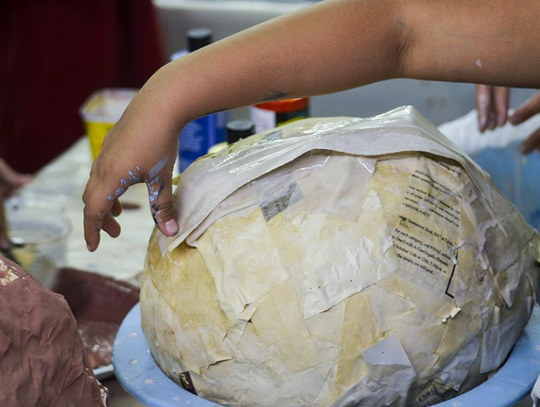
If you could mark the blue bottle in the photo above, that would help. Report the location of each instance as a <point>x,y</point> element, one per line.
<point>201,134</point>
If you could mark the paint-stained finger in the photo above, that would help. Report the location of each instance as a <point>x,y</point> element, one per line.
<point>501,96</point>
<point>526,110</point>
<point>111,226</point>
<point>97,206</point>
<point>532,142</point>
<point>116,209</point>
<point>161,204</point>
<point>483,102</point>
<point>93,222</point>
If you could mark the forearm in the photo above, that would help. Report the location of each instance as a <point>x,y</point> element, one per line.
<point>341,44</point>
<point>328,47</point>
<point>490,41</point>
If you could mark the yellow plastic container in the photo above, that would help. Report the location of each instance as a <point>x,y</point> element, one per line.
<point>100,113</point>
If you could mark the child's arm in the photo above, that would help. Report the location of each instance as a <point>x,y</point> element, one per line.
<point>328,47</point>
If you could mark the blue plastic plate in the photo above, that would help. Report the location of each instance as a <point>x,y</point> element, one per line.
<point>139,374</point>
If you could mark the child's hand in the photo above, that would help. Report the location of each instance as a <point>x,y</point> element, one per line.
<point>136,150</point>
<point>296,55</point>
<point>492,105</point>
<point>11,180</point>
<point>523,113</point>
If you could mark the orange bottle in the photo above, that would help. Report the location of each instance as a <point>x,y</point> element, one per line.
<point>268,115</point>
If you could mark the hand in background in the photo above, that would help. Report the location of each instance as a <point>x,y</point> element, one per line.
<point>524,112</point>
<point>492,106</point>
<point>10,180</point>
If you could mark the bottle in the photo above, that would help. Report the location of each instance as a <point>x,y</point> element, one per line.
<point>268,115</point>
<point>199,135</point>
<point>239,129</point>
<point>236,130</point>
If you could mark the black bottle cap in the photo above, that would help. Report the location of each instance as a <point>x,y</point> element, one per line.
<point>198,38</point>
<point>238,129</point>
